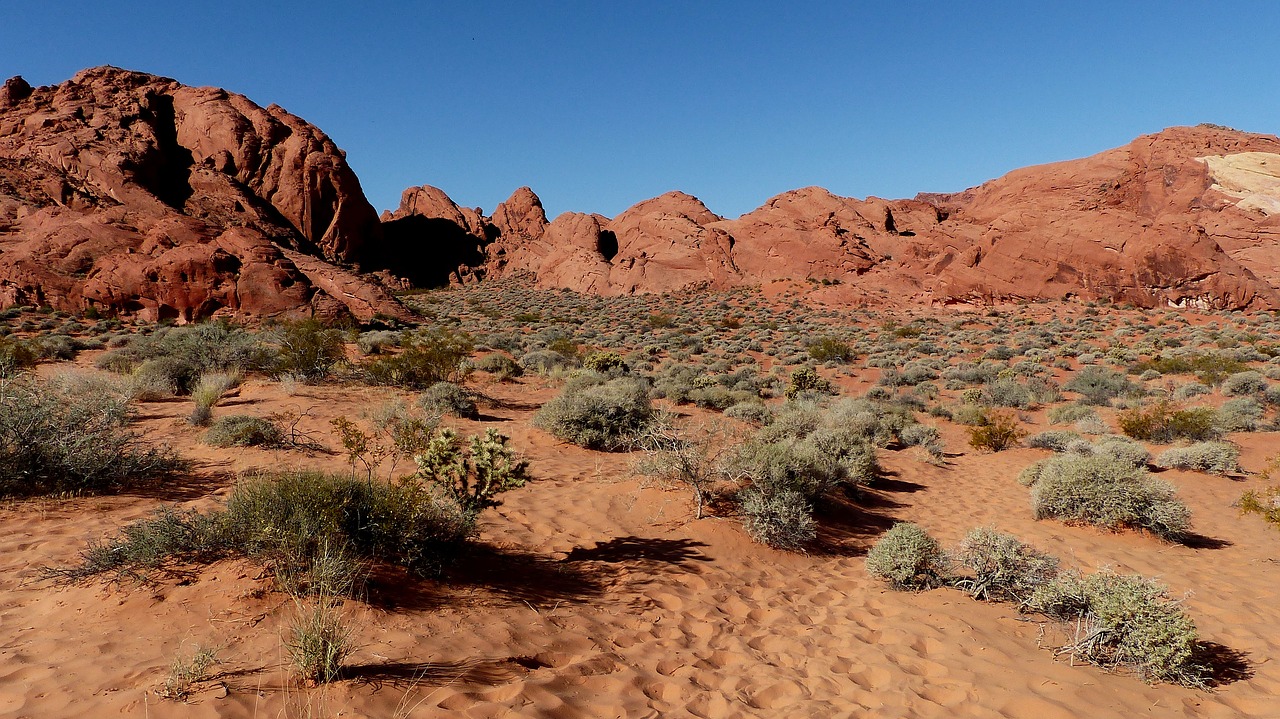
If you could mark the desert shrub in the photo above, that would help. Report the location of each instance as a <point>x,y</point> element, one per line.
<point>1211,457</point>
<point>1124,620</point>
<point>1099,385</point>
<point>830,349</point>
<point>447,398</point>
<point>920,435</point>
<point>1191,389</point>
<point>207,347</point>
<point>210,388</point>
<point>15,355</point>
<point>500,366</point>
<point>545,361</point>
<point>1003,567</point>
<point>1163,422</point>
<point>598,413</point>
<point>967,373</point>
<point>1070,413</point>
<point>377,341</point>
<point>471,473</point>
<point>606,363</point>
<point>437,354</point>
<point>307,350</point>
<point>970,415</point>
<point>782,519</point>
<point>753,411</point>
<point>186,672</point>
<point>320,640</point>
<point>1005,392</point>
<point>289,520</point>
<point>1057,440</point>
<point>1106,492</point>
<point>69,434</point>
<point>1248,383</point>
<point>909,558</point>
<point>1264,502</point>
<point>1122,449</point>
<point>242,430</point>
<point>806,380</point>
<point>999,432</point>
<point>1239,415</point>
<point>162,377</point>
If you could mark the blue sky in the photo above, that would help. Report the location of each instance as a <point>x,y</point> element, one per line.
<point>598,105</point>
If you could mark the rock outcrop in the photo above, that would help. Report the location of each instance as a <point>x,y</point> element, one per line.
<point>1185,217</point>
<point>135,194</point>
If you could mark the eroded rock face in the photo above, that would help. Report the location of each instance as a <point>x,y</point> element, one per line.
<point>136,194</point>
<point>1184,217</point>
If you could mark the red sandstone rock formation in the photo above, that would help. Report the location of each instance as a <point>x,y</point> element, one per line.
<point>136,194</point>
<point>1188,216</point>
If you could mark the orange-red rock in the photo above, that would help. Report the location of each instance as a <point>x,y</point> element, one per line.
<point>136,194</point>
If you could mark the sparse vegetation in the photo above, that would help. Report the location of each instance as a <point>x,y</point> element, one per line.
<point>909,558</point>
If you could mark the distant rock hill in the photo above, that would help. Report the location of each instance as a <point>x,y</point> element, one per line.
<point>1186,217</point>
<point>138,195</point>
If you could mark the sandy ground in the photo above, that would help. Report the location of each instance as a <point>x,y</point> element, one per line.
<point>594,593</point>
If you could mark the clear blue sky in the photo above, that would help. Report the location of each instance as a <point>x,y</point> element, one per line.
<point>597,105</point>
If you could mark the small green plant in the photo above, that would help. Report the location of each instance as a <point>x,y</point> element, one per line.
<point>321,639</point>
<point>807,380</point>
<point>474,474</point>
<point>447,398</point>
<point>909,558</point>
<point>999,432</point>
<point>437,354</point>
<point>1265,501</point>
<point>186,672</point>
<point>208,390</point>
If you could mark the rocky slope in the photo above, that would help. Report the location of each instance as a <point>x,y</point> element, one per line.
<point>1185,217</point>
<point>135,194</point>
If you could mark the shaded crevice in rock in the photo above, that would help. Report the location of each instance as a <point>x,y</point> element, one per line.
<point>426,251</point>
<point>607,245</point>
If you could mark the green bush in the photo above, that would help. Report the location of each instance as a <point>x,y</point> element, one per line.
<point>241,430</point>
<point>782,519</point>
<point>830,349</point>
<point>447,398</point>
<point>1106,492</point>
<point>500,366</point>
<point>427,357</point>
<point>308,350</point>
<point>607,363</point>
<point>1100,385</point>
<point>292,520</point>
<point>1071,413</point>
<point>1057,440</point>
<point>15,356</point>
<point>472,474</point>
<point>544,362</point>
<point>1248,383</point>
<point>1239,415</point>
<point>598,413</point>
<point>1211,457</point>
<point>807,381</point>
<point>1162,422</point>
<point>909,558</point>
<point>70,435</point>
<point>1125,620</point>
<point>999,432</point>
<point>1003,566</point>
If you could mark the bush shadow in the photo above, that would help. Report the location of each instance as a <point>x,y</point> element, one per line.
<point>1225,665</point>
